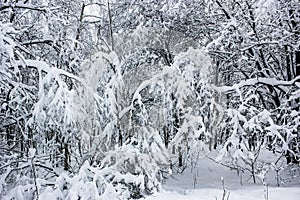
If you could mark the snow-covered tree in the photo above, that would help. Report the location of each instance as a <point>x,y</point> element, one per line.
<point>113,91</point>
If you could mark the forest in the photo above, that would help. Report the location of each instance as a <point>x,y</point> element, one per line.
<point>104,99</point>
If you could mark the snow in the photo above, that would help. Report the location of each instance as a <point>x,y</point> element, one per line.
<point>265,8</point>
<point>31,152</point>
<point>255,81</point>
<point>251,193</point>
<point>208,185</point>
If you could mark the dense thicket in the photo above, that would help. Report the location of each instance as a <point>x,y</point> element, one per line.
<point>103,98</point>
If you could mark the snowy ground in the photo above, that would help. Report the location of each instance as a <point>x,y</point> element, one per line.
<point>208,185</point>
<point>246,193</point>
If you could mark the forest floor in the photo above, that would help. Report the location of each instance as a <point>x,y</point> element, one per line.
<point>205,182</point>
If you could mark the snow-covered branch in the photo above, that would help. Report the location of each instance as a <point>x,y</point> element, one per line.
<point>256,81</point>
<point>4,6</point>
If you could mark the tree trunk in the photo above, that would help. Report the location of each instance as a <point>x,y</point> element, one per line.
<point>66,160</point>
<point>253,172</point>
<point>297,64</point>
<point>180,161</point>
<point>110,26</point>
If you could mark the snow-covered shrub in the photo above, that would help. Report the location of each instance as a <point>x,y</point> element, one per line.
<point>173,99</point>
<point>290,127</point>
<point>187,85</point>
<point>245,135</point>
<point>25,190</point>
<point>89,183</point>
<point>132,170</point>
<point>250,132</point>
<point>144,156</point>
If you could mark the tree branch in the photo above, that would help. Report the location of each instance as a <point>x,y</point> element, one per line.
<point>22,6</point>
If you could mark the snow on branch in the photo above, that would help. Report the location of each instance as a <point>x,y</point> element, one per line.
<point>4,6</point>
<point>154,80</point>
<point>250,82</point>
<point>44,67</point>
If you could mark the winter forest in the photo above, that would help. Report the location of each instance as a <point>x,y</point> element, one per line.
<point>119,99</point>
